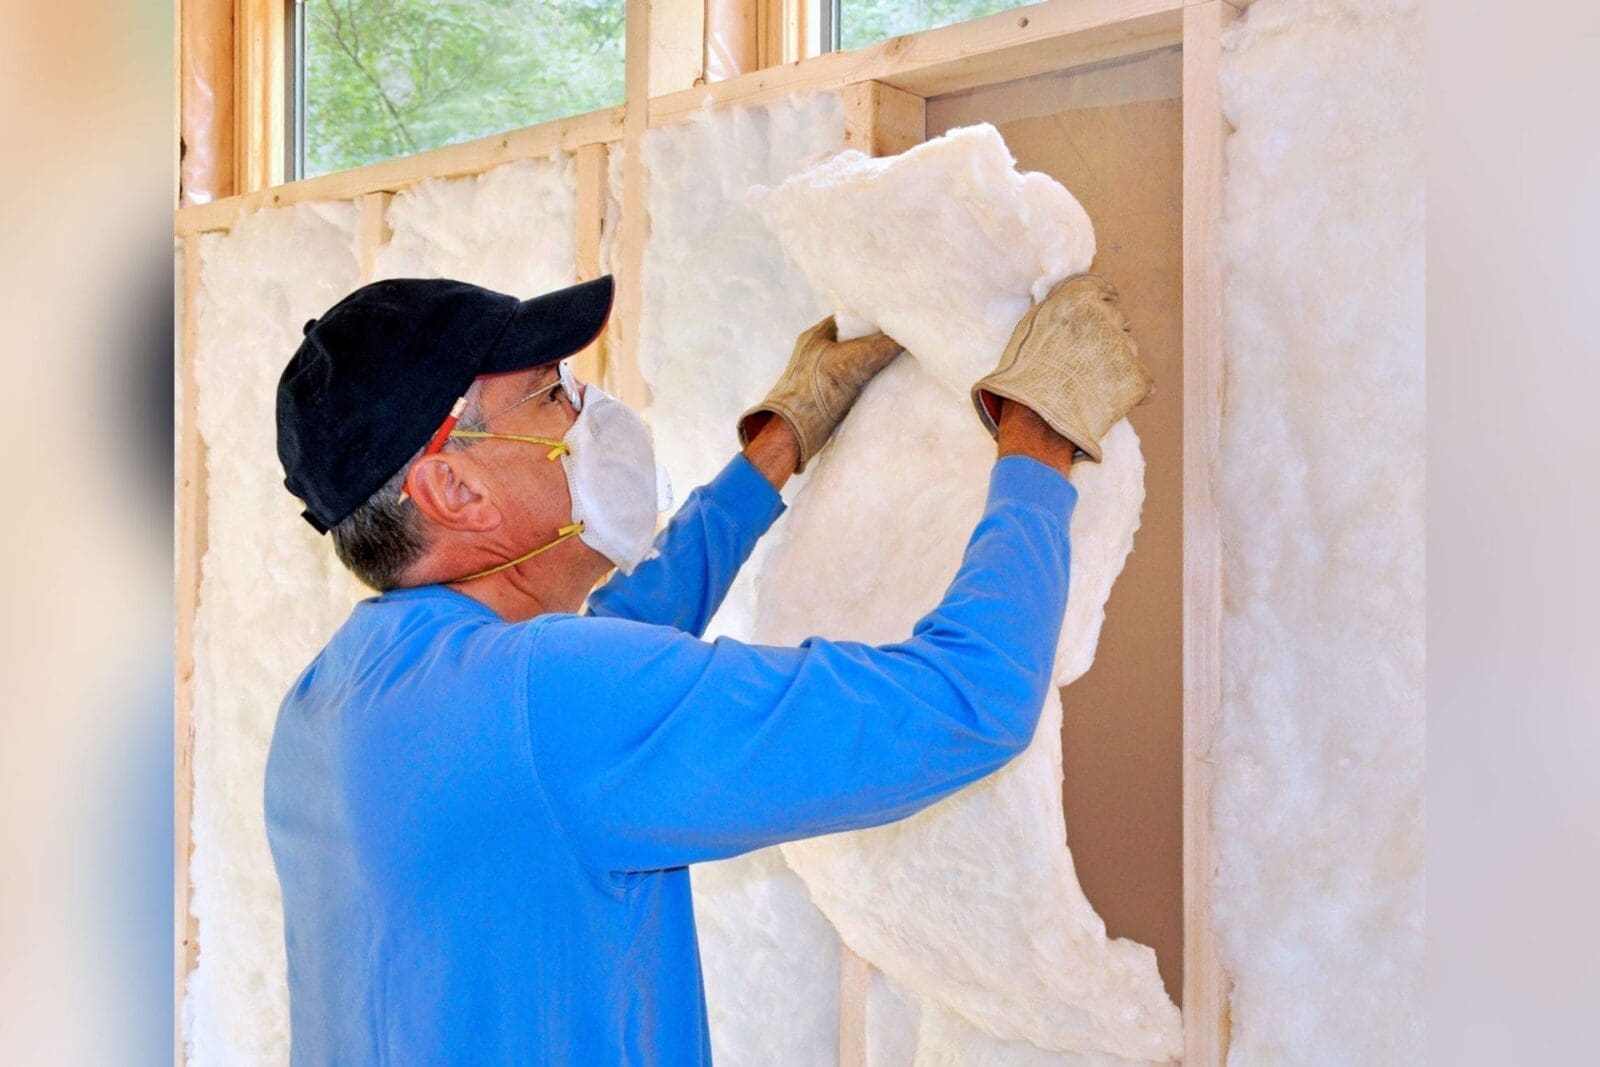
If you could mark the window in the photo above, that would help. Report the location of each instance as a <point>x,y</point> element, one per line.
<point>857,23</point>
<point>376,79</point>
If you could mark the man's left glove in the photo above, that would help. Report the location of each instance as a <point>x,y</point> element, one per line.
<point>822,381</point>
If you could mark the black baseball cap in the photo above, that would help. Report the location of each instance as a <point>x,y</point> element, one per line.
<point>377,375</point>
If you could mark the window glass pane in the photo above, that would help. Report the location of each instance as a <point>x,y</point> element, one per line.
<point>386,78</point>
<point>864,22</point>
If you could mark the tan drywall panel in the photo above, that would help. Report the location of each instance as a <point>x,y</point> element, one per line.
<point>1113,135</point>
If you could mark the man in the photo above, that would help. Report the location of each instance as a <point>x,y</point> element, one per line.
<point>483,794</point>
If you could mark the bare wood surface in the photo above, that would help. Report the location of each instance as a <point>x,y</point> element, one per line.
<point>780,31</point>
<point>855,980</point>
<point>623,379</point>
<point>374,230</point>
<point>677,45</point>
<point>191,546</point>
<point>258,94</point>
<point>590,177</point>
<point>392,175</point>
<point>881,120</point>
<point>1205,995</point>
<point>653,64</point>
<point>997,48</point>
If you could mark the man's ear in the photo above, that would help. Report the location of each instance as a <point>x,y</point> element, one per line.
<point>446,487</point>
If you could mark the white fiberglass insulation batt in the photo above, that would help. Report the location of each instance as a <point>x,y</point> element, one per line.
<point>511,229</point>
<point>973,905</point>
<point>1319,749</point>
<point>721,311</point>
<point>273,592</point>
<point>1025,959</point>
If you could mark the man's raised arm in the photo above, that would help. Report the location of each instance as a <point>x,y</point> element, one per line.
<point>709,750</point>
<point>699,554</point>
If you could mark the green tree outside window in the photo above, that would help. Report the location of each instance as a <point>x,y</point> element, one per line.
<point>387,78</point>
<point>864,22</point>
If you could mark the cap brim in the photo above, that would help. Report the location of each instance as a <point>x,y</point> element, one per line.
<point>551,327</point>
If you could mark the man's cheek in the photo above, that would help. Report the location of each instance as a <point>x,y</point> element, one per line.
<point>546,492</point>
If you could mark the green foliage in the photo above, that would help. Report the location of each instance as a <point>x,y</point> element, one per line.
<point>387,78</point>
<point>864,22</point>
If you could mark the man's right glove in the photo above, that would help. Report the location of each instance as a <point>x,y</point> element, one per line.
<point>821,383</point>
<point>1072,361</point>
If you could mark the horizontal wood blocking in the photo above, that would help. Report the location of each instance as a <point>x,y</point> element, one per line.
<point>469,157</point>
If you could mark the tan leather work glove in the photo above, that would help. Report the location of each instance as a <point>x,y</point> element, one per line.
<point>1073,362</point>
<point>822,381</point>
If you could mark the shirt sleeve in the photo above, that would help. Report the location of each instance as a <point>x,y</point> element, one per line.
<point>697,556</point>
<point>657,749</point>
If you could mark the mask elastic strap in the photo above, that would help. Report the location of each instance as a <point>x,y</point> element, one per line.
<point>562,534</point>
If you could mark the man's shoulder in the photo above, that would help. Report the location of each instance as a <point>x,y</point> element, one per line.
<point>597,661</point>
<point>395,641</point>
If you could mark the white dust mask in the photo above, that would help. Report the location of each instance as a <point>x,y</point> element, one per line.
<point>612,476</point>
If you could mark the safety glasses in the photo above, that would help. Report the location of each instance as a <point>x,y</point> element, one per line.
<point>564,381</point>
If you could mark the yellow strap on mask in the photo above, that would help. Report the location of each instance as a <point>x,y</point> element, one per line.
<point>557,448</point>
<point>570,530</point>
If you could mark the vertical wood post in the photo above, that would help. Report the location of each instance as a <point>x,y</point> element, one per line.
<point>782,28</point>
<point>374,230</point>
<point>677,47</point>
<point>855,980</point>
<point>590,165</point>
<point>259,94</point>
<point>191,546</point>
<point>623,378</point>
<point>1205,994</point>
<point>879,120</point>
<point>665,53</point>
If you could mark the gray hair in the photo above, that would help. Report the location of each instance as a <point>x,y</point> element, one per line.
<point>382,538</point>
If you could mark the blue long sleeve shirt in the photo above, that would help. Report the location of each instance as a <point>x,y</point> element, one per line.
<point>482,829</point>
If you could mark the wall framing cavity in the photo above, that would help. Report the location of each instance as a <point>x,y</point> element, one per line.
<point>884,88</point>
